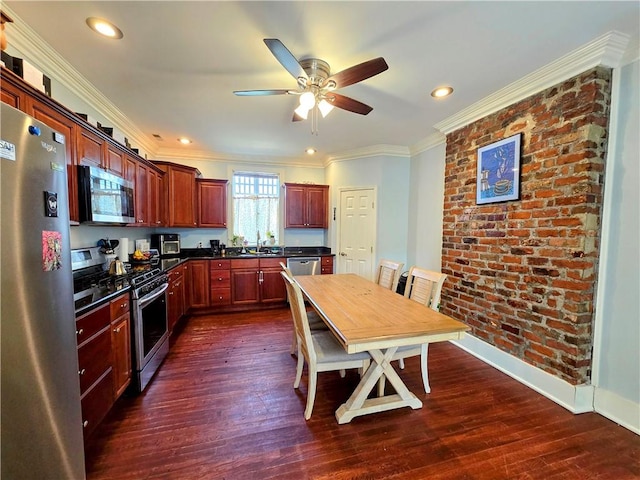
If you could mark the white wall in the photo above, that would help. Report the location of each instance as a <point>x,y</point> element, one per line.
<point>616,373</point>
<point>426,205</point>
<point>391,176</point>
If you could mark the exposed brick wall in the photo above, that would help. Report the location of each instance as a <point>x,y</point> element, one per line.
<point>522,274</point>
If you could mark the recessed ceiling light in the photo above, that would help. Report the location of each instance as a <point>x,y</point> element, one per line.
<point>103,27</point>
<point>442,92</point>
<point>310,150</point>
<point>184,140</point>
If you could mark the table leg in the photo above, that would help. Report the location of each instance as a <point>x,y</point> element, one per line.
<point>358,403</point>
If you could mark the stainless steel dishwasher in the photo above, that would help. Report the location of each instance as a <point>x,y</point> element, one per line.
<point>304,265</point>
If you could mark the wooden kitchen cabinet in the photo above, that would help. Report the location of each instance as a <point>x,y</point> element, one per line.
<point>90,149</point>
<point>326,264</point>
<point>212,203</point>
<point>272,286</point>
<point>155,198</point>
<point>95,370</point>
<point>220,282</point>
<point>121,344</point>
<point>199,291</point>
<point>257,281</point>
<point>114,160</point>
<point>180,192</point>
<point>148,189</point>
<point>176,296</point>
<point>306,206</point>
<point>10,92</point>
<point>244,281</point>
<point>69,129</point>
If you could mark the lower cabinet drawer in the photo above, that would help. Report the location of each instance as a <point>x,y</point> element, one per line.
<point>96,402</point>
<point>220,279</point>
<point>220,296</point>
<point>94,358</point>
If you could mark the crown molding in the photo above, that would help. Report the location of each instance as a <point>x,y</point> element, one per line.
<point>436,138</point>
<point>172,154</point>
<point>367,152</point>
<point>39,52</point>
<point>606,50</point>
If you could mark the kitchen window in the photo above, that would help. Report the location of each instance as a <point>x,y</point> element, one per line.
<point>256,204</point>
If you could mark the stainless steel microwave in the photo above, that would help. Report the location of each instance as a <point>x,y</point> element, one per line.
<point>104,197</point>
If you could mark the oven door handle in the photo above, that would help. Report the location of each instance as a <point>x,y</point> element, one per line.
<point>144,301</point>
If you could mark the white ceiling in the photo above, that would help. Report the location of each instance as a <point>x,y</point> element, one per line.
<point>174,71</point>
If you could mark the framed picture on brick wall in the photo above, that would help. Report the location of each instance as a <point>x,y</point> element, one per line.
<point>498,171</point>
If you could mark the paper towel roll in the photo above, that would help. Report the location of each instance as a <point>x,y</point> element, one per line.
<point>123,252</point>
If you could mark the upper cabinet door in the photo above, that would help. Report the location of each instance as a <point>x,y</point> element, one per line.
<point>212,203</point>
<point>115,161</point>
<point>68,128</point>
<point>90,151</point>
<point>317,206</point>
<point>306,206</point>
<point>12,95</point>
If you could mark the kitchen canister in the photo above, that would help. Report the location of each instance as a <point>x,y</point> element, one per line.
<point>123,253</point>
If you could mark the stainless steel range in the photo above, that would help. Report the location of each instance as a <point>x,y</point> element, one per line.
<point>150,336</point>
<point>148,290</point>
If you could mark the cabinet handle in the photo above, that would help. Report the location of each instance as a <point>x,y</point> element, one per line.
<point>82,372</point>
<point>79,332</point>
<point>178,284</point>
<point>170,293</point>
<point>85,423</point>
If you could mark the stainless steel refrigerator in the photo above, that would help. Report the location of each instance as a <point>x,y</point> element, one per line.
<point>41,429</point>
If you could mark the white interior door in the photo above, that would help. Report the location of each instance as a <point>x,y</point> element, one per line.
<point>356,242</point>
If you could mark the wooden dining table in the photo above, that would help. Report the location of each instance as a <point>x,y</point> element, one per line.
<point>366,317</point>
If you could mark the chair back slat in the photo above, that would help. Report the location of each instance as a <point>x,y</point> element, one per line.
<point>388,274</point>
<point>425,287</point>
<point>300,319</point>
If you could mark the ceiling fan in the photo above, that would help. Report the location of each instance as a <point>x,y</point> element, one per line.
<point>316,85</point>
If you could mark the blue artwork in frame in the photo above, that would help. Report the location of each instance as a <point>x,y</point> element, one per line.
<point>499,171</point>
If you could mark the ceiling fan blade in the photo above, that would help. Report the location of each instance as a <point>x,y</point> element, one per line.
<point>286,58</point>
<point>257,93</point>
<point>357,73</point>
<point>347,103</point>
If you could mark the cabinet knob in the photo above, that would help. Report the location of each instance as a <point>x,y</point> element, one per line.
<point>85,423</point>
<point>116,330</point>
<point>170,293</point>
<point>124,305</point>
<point>82,372</point>
<point>79,332</point>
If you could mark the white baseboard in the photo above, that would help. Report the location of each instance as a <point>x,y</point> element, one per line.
<point>618,409</point>
<point>576,399</point>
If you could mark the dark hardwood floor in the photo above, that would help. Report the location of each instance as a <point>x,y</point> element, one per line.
<point>223,407</point>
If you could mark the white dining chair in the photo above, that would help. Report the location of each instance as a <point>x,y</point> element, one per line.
<point>388,274</point>
<point>321,350</point>
<point>425,287</point>
<point>315,322</point>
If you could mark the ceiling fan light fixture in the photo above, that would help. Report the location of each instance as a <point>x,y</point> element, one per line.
<point>105,28</point>
<point>441,92</point>
<point>184,140</point>
<point>302,111</point>
<point>310,151</point>
<point>324,107</point>
<point>307,100</point>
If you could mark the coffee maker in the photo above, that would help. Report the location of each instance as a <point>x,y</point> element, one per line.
<point>215,246</point>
